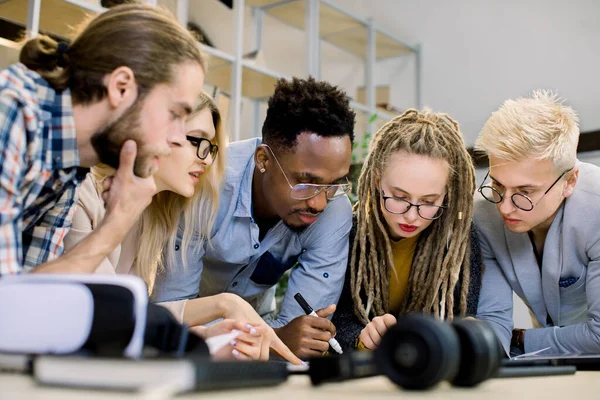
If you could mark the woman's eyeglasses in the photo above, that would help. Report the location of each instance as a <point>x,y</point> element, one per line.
<point>203,147</point>
<point>400,206</point>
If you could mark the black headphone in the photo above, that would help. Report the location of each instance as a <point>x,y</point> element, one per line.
<point>419,352</point>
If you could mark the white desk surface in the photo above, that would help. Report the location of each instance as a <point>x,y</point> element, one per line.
<point>581,386</point>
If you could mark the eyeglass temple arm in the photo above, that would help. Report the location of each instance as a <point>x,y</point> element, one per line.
<point>280,167</point>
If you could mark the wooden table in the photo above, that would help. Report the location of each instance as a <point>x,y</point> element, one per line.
<point>582,385</point>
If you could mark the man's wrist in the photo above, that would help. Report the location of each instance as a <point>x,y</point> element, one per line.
<point>120,225</point>
<point>518,339</point>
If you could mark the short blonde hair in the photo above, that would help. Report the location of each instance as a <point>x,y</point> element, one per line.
<point>539,126</point>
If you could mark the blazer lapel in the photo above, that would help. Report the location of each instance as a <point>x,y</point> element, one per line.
<point>552,266</point>
<point>527,272</point>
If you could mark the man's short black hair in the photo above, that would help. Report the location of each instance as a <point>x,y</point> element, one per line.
<point>306,105</point>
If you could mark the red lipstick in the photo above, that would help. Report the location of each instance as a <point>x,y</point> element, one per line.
<point>408,228</point>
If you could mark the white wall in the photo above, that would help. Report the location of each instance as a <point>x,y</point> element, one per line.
<point>475,53</point>
<point>283,49</point>
<point>478,53</point>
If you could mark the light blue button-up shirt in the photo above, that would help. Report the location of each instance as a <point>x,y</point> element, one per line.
<point>236,261</point>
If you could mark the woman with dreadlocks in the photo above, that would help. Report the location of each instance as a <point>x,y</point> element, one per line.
<point>412,247</point>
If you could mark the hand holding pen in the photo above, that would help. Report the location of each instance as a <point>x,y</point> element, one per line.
<point>308,336</point>
<point>309,311</point>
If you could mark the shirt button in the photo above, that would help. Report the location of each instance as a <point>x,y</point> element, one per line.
<point>176,247</point>
<point>325,275</point>
<point>234,284</point>
<point>256,246</point>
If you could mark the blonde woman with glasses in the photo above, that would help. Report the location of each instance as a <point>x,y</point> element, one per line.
<point>412,246</point>
<point>283,207</point>
<point>188,183</point>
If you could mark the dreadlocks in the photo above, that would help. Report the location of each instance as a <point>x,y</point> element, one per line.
<point>443,252</point>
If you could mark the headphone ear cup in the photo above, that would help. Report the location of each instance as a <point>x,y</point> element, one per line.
<point>479,355</point>
<point>418,352</point>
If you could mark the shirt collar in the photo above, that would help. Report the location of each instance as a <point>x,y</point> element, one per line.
<point>243,207</point>
<point>63,144</point>
<point>56,112</point>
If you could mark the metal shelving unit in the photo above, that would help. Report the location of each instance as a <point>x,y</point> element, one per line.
<point>320,19</point>
<point>335,25</point>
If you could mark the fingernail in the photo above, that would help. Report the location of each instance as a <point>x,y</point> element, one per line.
<point>235,352</point>
<point>253,331</point>
<point>128,146</point>
<point>235,331</point>
<point>233,342</point>
<point>248,326</point>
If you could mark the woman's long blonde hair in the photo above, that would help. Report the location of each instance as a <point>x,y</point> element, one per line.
<point>443,252</point>
<point>160,220</point>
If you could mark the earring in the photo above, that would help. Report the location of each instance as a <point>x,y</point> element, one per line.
<point>262,170</point>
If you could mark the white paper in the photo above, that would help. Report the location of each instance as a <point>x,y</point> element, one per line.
<point>298,368</point>
<point>533,353</point>
<point>216,343</point>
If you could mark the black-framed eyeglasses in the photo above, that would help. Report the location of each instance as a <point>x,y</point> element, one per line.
<point>519,200</point>
<point>400,206</point>
<point>204,147</point>
<point>305,191</point>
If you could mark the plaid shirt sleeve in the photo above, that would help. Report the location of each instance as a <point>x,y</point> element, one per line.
<point>47,237</point>
<point>13,146</point>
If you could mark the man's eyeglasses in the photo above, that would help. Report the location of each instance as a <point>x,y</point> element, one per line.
<point>401,206</point>
<point>519,200</point>
<point>203,147</point>
<point>305,191</point>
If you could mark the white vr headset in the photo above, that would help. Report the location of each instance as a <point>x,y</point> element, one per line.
<point>100,314</point>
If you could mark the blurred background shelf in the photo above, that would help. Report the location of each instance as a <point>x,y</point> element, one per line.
<point>237,77</point>
<point>9,52</point>
<point>59,17</point>
<point>336,26</point>
<point>257,82</point>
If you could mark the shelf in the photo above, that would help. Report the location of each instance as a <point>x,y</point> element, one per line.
<point>9,52</point>
<point>59,17</point>
<point>381,113</point>
<point>257,83</point>
<point>335,26</point>
<point>261,3</point>
<point>56,16</point>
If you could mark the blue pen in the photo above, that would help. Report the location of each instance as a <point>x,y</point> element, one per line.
<point>309,311</point>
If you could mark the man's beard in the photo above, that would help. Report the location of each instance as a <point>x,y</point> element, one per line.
<point>295,228</point>
<point>299,228</point>
<point>108,142</point>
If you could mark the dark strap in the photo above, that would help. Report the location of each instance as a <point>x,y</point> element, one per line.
<point>168,336</point>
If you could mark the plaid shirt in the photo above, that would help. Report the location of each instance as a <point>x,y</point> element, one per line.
<point>39,171</point>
